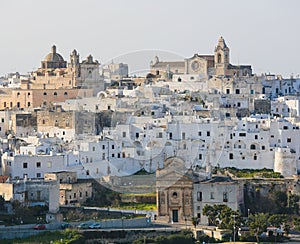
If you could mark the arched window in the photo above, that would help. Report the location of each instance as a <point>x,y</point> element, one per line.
<point>66,94</point>
<point>174,195</point>
<point>252,147</point>
<point>45,93</point>
<point>55,94</point>
<point>219,58</point>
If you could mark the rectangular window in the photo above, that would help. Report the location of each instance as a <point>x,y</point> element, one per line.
<point>49,164</point>
<point>230,155</point>
<point>2,120</point>
<point>112,155</point>
<point>112,146</point>
<point>25,165</point>
<point>208,133</point>
<point>103,156</point>
<point>289,140</point>
<point>124,134</point>
<point>199,133</point>
<point>183,135</point>
<point>242,134</point>
<point>103,147</point>
<point>256,137</point>
<point>199,196</point>
<point>225,197</point>
<point>38,175</point>
<point>227,91</point>
<point>160,135</point>
<point>170,135</point>
<point>237,91</point>
<point>74,194</point>
<point>200,156</point>
<point>38,164</point>
<point>212,195</point>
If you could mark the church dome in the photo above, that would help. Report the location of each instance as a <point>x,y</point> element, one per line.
<point>54,56</point>
<point>54,60</point>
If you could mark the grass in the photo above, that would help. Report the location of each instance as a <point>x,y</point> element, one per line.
<point>253,173</point>
<point>66,237</point>
<point>138,206</point>
<point>149,194</point>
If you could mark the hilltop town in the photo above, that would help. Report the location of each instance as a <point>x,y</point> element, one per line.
<point>184,130</point>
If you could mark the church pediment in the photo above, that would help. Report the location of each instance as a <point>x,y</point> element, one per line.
<point>172,177</point>
<point>197,58</point>
<point>196,65</point>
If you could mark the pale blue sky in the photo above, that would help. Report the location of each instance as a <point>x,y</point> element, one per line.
<point>262,33</point>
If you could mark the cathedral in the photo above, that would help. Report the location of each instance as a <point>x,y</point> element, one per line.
<point>55,81</point>
<point>205,66</point>
<point>55,73</point>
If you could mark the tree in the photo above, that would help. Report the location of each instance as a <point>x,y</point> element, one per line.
<point>194,221</point>
<point>296,223</point>
<point>258,224</point>
<point>293,203</point>
<point>222,216</point>
<point>2,203</point>
<point>277,220</point>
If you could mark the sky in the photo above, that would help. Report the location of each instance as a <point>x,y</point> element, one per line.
<point>263,33</point>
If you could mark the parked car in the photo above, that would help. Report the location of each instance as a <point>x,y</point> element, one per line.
<point>95,226</point>
<point>65,225</point>
<point>83,226</point>
<point>39,227</point>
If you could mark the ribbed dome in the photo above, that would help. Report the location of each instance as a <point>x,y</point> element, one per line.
<point>54,56</point>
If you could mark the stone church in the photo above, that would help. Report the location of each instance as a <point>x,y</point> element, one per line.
<point>55,73</point>
<point>174,185</point>
<point>205,66</point>
<point>55,81</point>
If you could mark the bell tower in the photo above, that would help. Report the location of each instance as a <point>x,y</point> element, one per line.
<point>75,65</point>
<point>221,57</point>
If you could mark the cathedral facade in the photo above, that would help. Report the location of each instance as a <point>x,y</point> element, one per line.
<point>205,66</point>
<point>55,81</point>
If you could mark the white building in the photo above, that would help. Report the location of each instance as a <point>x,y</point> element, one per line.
<point>217,191</point>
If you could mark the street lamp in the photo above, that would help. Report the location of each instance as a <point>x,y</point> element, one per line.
<point>123,223</point>
<point>234,216</point>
